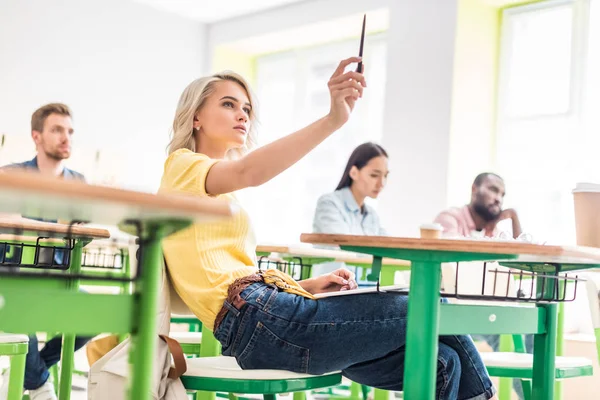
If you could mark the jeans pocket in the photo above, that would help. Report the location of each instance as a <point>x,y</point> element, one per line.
<point>224,331</point>
<point>266,350</point>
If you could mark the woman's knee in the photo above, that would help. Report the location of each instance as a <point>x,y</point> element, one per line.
<point>449,360</point>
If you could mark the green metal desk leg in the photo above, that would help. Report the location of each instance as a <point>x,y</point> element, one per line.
<point>67,363</point>
<point>145,336</point>
<point>505,384</point>
<point>17,376</point>
<point>18,355</point>
<point>54,372</point>
<point>299,396</point>
<point>422,331</point>
<point>544,348</point>
<point>387,276</point>
<point>560,340</point>
<point>519,343</point>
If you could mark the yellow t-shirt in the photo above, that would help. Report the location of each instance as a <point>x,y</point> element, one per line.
<point>206,258</point>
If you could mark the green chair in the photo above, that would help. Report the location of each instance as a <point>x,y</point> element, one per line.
<point>213,373</point>
<point>15,347</point>
<point>190,342</point>
<point>222,374</point>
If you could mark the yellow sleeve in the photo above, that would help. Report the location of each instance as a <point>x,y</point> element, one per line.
<point>186,171</point>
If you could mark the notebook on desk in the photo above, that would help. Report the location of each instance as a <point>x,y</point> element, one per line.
<point>370,289</point>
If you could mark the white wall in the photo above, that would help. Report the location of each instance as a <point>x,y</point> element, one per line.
<point>416,124</point>
<point>418,94</point>
<point>472,136</point>
<point>119,65</point>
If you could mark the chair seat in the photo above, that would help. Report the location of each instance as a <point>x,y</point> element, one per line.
<point>187,337</point>
<point>13,338</point>
<point>224,374</point>
<point>520,365</point>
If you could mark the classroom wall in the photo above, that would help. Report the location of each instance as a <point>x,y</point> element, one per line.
<point>419,84</point>
<point>120,65</point>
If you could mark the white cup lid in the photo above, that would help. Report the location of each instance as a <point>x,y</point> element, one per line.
<point>433,226</point>
<point>586,187</point>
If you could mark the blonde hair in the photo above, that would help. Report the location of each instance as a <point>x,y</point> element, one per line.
<point>191,101</point>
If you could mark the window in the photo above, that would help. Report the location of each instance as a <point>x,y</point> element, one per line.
<point>292,92</point>
<point>548,131</point>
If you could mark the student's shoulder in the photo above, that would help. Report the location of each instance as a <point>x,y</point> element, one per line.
<point>74,175</point>
<point>331,198</point>
<point>454,212</point>
<point>184,157</point>
<point>20,165</point>
<point>450,218</point>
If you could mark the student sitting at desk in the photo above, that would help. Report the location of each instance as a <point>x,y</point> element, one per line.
<point>481,216</point>
<point>51,130</point>
<point>344,211</point>
<point>268,320</point>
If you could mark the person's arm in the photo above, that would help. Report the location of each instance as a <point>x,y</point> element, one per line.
<point>509,213</point>
<point>516,225</point>
<point>267,162</point>
<point>329,218</point>
<point>514,217</point>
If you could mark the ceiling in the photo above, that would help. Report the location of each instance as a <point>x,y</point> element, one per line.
<point>322,32</point>
<point>209,11</point>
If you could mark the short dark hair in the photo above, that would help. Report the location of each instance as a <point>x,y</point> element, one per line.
<point>482,177</point>
<point>359,158</point>
<point>39,116</point>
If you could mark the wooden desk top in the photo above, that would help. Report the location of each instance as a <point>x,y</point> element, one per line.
<point>38,196</point>
<point>46,229</point>
<point>525,252</point>
<point>335,255</point>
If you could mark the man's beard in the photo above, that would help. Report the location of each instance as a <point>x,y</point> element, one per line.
<point>485,213</point>
<point>55,155</point>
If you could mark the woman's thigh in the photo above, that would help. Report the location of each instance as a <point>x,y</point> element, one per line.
<point>317,336</point>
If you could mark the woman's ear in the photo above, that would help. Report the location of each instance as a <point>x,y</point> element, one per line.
<point>196,124</point>
<point>354,173</point>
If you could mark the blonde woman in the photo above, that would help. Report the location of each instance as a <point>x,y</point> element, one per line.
<point>268,320</point>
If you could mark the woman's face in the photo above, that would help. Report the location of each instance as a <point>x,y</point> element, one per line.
<point>370,180</point>
<point>224,119</point>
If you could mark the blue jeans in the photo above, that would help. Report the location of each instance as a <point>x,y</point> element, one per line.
<point>494,342</point>
<point>38,361</point>
<point>363,336</point>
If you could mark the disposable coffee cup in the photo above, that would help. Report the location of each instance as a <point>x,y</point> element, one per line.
<point>586,199</point>
<point>431,231</point>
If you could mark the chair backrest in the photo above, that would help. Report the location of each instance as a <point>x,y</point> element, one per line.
<point>170,300</point>
<point>178,306</point>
